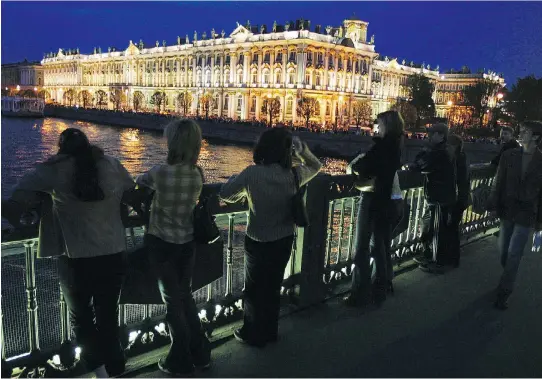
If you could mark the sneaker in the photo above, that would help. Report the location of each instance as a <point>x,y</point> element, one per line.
<point>354,302</point>
<point>241,337</point>
<point>421,260</point>
<point>432,268</point>
<point>178,373</point>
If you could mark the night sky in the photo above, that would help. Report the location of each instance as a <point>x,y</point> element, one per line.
<point>501,36</point>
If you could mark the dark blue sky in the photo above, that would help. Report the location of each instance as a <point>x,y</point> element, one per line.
<point>502,36</point>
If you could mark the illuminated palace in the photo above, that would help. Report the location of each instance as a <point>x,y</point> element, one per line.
<point>335,65</point>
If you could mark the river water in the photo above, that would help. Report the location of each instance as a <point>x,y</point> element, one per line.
<point>26,142</point>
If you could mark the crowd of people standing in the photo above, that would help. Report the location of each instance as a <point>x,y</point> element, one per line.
<point>88,190</point>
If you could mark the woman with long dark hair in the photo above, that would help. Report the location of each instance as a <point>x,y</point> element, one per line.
<point>269,186</point>
<point>87,188</point>
<point>376,171</point>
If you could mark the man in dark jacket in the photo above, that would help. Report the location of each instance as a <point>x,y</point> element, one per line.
<point>507,142</point>
<point>439,168</point>
<point>516,197</point>
<point>452,253</point>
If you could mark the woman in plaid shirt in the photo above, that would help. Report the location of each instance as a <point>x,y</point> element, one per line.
<point>177,185</point>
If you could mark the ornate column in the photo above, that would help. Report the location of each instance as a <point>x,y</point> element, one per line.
<point>233,70</point>
<point>294,110</point>
<point>333,110</point>
<point>284,65</point>
<point>301,58</point>
<point>323,104</point>
<point>246,74</point>
<point>258,106</point>
<point>325,80</point>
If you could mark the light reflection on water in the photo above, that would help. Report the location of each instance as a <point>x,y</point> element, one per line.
<point>26,142</point>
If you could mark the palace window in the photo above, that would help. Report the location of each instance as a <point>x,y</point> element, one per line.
<point>277,77</point>
<point>289,105</point>
<point>239,103</point>
<point>228,59</point>
<point>255,58</point>
<point>318,79</point>
<point>208,61</point>
<point>291,77</point>
<point>253,104</point>
<point>308,78</point>
<point>328,109</point>
<point>266,77</point>
<point>317,109</point>
<point>320,58</point>
<point>227,77</point>
<point>217,61</point>
<point>267,58</point>
<point>254,77</point>
<point>240,77</point>
<point>208,77</point>
<point>278,59</point>
<point>292,56</point>
<point>241,59</point>
<point>226,102</point>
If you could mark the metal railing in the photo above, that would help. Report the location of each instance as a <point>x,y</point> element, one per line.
<point>35,324</point>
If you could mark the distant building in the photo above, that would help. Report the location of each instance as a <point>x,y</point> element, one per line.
<point>27,75</point>
<point>334,65</point>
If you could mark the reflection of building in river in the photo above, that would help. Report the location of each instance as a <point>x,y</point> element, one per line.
<point>239,71</point>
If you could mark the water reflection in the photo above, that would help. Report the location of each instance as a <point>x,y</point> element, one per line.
<point>27,142</point>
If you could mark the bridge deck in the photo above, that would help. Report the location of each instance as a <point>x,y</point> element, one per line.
<point>434,326</point>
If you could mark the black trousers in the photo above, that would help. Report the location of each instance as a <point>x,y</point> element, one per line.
<point>435,223</point>
<point>91,288</point>
<point>373,238</point>
<point>452,252</point>
<point>265,263</point>
<point>173,265</point>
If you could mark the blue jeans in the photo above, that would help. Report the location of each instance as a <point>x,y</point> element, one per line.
<point>513,240</point>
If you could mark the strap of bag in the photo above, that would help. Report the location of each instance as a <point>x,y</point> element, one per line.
<point>296,178</point>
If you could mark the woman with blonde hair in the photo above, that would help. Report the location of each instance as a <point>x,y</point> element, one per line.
<point>177,185</point>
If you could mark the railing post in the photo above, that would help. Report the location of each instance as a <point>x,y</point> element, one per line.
<point>6,371</point>
<point>311,242</point>
<point>31,299</point>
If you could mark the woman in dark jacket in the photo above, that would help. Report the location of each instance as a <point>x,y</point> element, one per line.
<point>375,173</point>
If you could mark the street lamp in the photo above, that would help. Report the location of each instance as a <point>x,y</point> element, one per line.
<point>500,96</point>
<point>450,103</point>
<point>18,87</point>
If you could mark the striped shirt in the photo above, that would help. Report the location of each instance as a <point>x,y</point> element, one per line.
<point>177,189</point>
<point>270,190</point>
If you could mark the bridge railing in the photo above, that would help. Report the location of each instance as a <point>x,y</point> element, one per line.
<point>35,324</point>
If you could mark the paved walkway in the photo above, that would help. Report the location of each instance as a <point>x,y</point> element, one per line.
<point>434,326</point>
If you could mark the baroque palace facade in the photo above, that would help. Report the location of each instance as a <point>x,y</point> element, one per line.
<point>335,65</point>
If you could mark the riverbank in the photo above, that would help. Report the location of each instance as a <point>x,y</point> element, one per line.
<point>341,146</point>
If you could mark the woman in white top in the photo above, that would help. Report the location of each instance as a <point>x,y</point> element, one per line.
<point>269,186</point>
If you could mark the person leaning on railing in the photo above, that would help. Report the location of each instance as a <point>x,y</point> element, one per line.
<point>269,186</point>
<point>85,229</point>
<point>375,173</point>
<point>177,185</point>
<point>516,198</point>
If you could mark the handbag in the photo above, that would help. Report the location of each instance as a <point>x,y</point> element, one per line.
<point>205,229</point>
<point>299,209</point>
